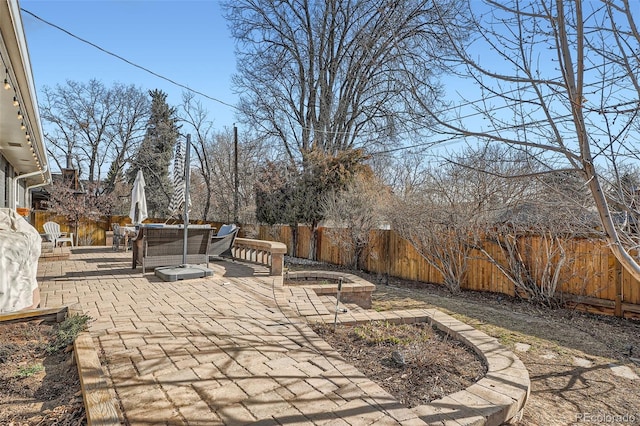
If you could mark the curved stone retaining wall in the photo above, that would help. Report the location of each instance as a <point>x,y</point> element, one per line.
<point>498,398</point>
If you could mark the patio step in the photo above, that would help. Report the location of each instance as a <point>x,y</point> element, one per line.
<point>51,253</point>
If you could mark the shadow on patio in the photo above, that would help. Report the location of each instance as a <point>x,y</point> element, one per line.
<point>225,349</point>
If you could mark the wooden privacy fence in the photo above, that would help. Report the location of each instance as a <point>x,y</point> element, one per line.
<point>90,232</point>
<point>593,279</point>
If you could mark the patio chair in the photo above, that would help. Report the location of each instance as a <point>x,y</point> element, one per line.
<point>118,237</point>
<point>52,229</point>
<point>222,242</point>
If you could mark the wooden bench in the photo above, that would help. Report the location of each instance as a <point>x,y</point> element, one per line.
<point>164,246</point>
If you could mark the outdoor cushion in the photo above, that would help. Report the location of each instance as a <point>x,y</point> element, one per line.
<point>225,229</point>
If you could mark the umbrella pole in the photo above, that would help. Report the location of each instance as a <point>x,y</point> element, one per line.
<point>185,208</point>
<point>184,271</point>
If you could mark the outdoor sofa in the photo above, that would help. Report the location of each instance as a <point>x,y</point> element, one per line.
<point>163,245</point>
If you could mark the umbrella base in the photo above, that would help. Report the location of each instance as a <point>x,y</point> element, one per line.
<point>182,272</point>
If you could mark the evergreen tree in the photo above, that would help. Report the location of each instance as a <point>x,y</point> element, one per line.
<point>116,186</point>
<point>113,177</point>
<point>155,153</point>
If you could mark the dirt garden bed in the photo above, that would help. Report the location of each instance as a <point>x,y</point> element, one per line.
<point>39,381</point>
<point>413,362</point>
<point>584,368</point>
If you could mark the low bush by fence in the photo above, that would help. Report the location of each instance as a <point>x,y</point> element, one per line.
<point>594,280</point>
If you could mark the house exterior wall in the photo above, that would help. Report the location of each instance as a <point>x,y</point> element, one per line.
<point>20,140</point>
<point>7,173</point>
<point>4,185</point>
<point>21,200</point>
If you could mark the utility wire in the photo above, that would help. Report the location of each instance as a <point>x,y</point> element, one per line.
<point>184,86</point>
<point>450,108</point>
<point>467,103</point>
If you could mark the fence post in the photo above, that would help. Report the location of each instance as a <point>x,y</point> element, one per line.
<point>387,254</point>
<point>617,276</point>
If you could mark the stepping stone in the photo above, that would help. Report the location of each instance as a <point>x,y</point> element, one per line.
<point>548,355</point>
<point>581,362</point>
<point>522,347</point>
<point>623,371</point>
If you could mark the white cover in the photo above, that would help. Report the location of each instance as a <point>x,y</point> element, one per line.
<point>20,245</point>
<point>138,197</point>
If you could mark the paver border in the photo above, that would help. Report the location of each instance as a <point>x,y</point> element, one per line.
<point>100,406</point>
<point>353,290</point>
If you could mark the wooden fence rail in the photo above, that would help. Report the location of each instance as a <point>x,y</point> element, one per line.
<point>594,279</point>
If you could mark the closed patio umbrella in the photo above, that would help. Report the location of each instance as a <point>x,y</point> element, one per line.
<point>177,203</point>
<point>138,211</point>
<point>180,201</point>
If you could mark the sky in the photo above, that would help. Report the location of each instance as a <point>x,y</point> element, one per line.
<point>184,41</point>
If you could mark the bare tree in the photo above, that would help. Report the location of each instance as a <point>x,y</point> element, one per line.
<point>442,218</point>
<point>439,233</point>
<point>196,119</point>
<point>402,173</point>
<point>492,204</point>
<point>213,186</point>
<point>559,81</point>
<point>91,127</point>
<point>335,75</point>
<point>522,222</point>
<point>126,128</point>
<point>352,215</point>
<point>622,186</point>
<point>527,239</point>
<point>251,153</point>
<point>78,206</point>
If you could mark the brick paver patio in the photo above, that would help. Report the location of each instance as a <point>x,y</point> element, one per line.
<point>225,349</point>
<point>236,349</point>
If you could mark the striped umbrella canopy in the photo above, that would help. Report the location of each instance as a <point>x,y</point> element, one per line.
<point>177,200</point>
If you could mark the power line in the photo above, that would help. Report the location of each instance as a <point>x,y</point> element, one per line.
<point>184,86</point>
<point>467,103</point>
<point>421,126</point>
